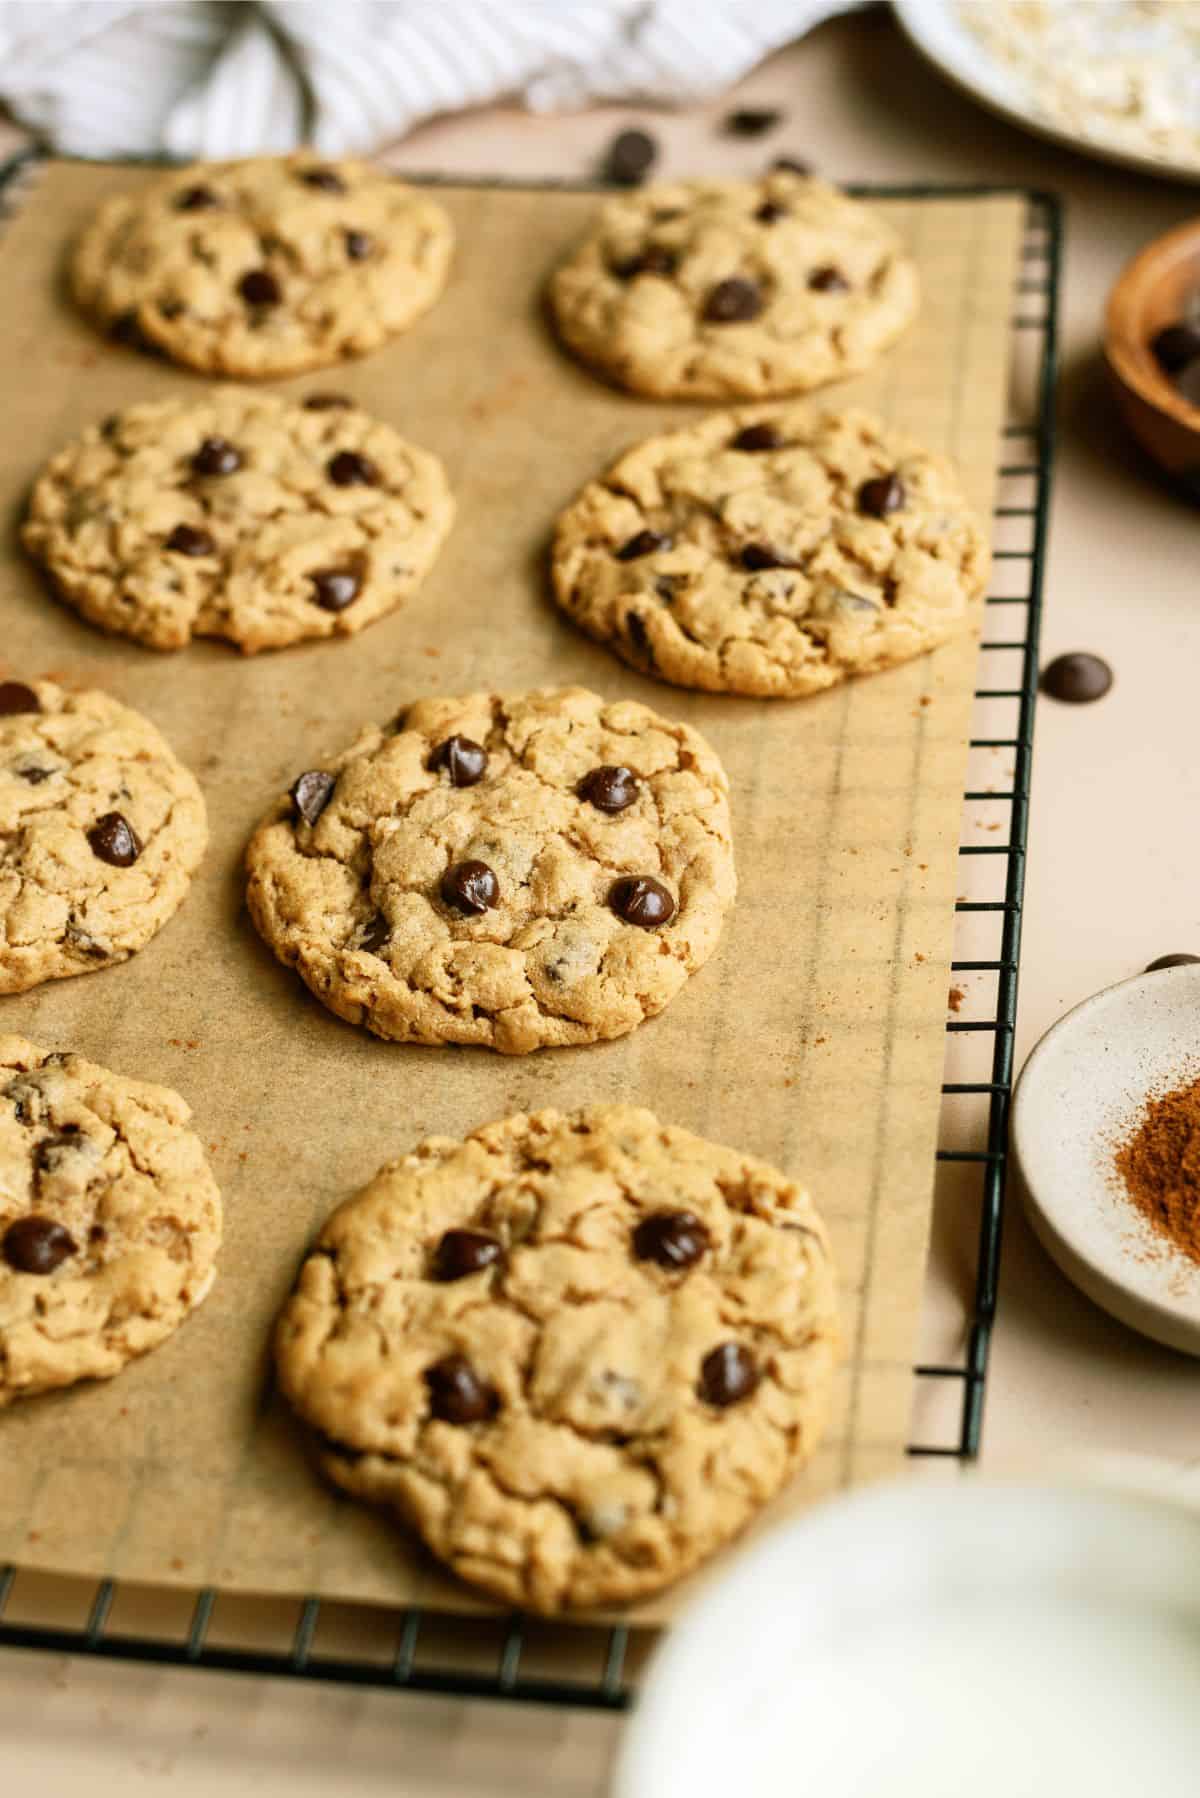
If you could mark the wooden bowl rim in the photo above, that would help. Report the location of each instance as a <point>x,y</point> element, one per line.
<point>1132,359</point>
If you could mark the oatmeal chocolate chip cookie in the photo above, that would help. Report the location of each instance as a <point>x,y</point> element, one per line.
<point>516,871</point>
<point>264,267</point>
<point>734,289</point>
<point>577,1353</point>
<point>772,551</point>
<point>101,830</point>
<point>109,1219</point>
<point>239,515</point>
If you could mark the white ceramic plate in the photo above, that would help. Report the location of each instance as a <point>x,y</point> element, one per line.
<point>936,29</point>
<point>1079,1093</point>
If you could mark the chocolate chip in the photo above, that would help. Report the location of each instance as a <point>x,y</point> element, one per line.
<point>1172,961</point>
<point>358,245</point>
<point>126,329</point>
<point>463,1252</point>
<point>171,308</point>
<point>50,1153</point>
<point>1176,345</point>
<point>349,469</point>
<point>114,840</point>
<point>34,774</point>
<point>639,637</point>
<point>792,165</point>
<point>260,288</point>
<point>884,494</point>
<point>311,792</point>
<point>110,426</point>
<point>655,259</point>
<point>645,543</point>
<point>1077,678</point>
<point>728,1374</point>
<point>325,402</point>
<point>464,760</point>
<point>216,455</point>
<point>757,556</point>
<point>327,180</point>
<point>187,540</point>
<point>640,899</point>
<point>16,697</point>
<point>457,1394</point>
<point>1187,382</point>
<point>674,1239</point>
<point>335,588</point>
<point>470,887</point>
<point>196,199</point>
<point>828,279</point>
<point>37,1245</point>
<point>629,158</point>
<point>752,121</point>
<point>757,437</point>
<point>610,788</point>
<point>375,935</point>
<point>733,302</point>
<point>770,211</point>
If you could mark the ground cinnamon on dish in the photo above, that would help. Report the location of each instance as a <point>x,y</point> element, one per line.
<point>1160,1166</point>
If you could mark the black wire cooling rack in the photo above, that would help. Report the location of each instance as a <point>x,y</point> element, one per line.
<point>518,1658</point>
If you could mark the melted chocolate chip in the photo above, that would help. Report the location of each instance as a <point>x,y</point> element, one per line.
<point>16,697</point>
<point>655,259</point>
<point>260,288</point>
<point>752,121</point>
<point>884,494</point>
<point>196,199</point>
<point>645,543</point>
<point>733,302</point>
<point>757,437</point>
<point>640,899</point>
<point>49,1154</point>
<point>217,455</point>
<point>610,788</point>
<point>1172,961</point>
<point>1078,679</point>
<point>629,158</point>
<point>470,887</point>
<point>464,760</point>
<point>376,935</point>
<point>335,588</point>
<point>457,1394</point>
<point>359,245</point>
<point>757,556</point>
<point>728,1374</point>
<point>770,212</point>
<point>675,1239</point>
<point>464,1252</point>
<point>114,840</point>
<point>311,792</point>
<point>187,540</point>
<point>1176,345</point>
<point>349,469</point>
<point>828,280</point>
<point>37,1245</point>
<point>328,181</point>
<point>325,402</point>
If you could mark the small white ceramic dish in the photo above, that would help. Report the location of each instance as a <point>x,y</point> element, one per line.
<point>1079,1094</point>
<point>923,1642</point>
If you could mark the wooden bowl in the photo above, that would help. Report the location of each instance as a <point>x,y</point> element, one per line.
<point>1154,290</point>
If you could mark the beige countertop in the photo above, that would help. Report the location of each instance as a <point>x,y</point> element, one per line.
<point>1114,881</point>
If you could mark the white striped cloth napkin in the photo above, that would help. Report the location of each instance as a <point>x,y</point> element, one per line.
<point>198,78</point>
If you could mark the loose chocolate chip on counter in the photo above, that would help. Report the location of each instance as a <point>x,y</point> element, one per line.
<point>335,588</point>
<point>1176,345</point>
<point>470,887</point>
<point>828,280</point>
<point>260,288</point>
<point>349,469</point>
<point>655,259</point>
<point>464,1252</point>
<point>311,793</point>
<point>733,302</point>
<point>674,1239</point>
<point>196,199</point>
<point>216,455</point>
<point>359,245</point>
<point>792,165</point>
<point>757,556</point>
<point>328,181</point>
<point>640,899</point>
<point>629,158</point>
<point>464,760</point>
<point>610,788</point>
<point>757,437</point>
<point>114,840</point>
<point>645,543</point>
<point>728,1374</point>
<point>1172,961</point>
<point>325,402</point>
<point>752,121</point>
<point>16,697</point>
<point>37,1245</point>
<point>457,1394</point>
<point>1078,678</point>
<point>375,935</point>
<point>187,540</point>
<point>884,494</point>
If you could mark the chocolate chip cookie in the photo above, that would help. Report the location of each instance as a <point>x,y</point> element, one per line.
<point>511,870</point>
<point>772,551</point>
<point>267,266</point>
<point>238,515</point>
<point>734,289</point>
<point>110,1220</point>
<point>101,829</point>
<point>576,1353</point>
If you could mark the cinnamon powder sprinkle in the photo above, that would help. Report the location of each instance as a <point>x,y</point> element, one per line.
<point>1160,1167</point>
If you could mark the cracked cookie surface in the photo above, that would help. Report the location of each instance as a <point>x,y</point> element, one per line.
<point>240,515</point>
<point>110,1219</point>
<point>266,266</point>
<point>576,1352</point>
<point>514,871</point>
<point>771,551</point>
<point>101,829</point>
<point>734,289</point>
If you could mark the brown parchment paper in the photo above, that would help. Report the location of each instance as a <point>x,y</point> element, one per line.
<point>814,1037</point>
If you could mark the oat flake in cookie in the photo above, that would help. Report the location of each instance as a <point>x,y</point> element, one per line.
<point>110,1220</point>
<point>771,551</point>
<point>264,267</point>
<point>238,515</point>
<point>516,871</point>
<point>734,289</point>
<point>584,1412</point>
<point>101,829</point>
